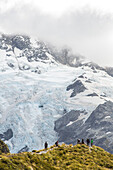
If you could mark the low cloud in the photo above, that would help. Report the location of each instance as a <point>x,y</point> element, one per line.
<point>86,31</point>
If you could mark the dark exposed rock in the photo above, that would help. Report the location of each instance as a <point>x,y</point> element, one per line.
<point>11,65</point>
<point>94,71</point>
<point>92,94</point>
<point>93,66</point>
<point>103,95</point>
<point>66,130</point>
<point>81,76</point>
<point>24,67</point>
<point>74,80</point>
<point>101,112</point>
<point>24,149</point>
<point>64,111</point>
<point>88,81</point>
<point>64,120</point>
<point>41,106</point>
<point>98,126</point>
<point>109,70</point>
<point>21,42</point>
<point>77,87</point>
<point>43,56</point>
<point>8,55</point>
<point>7,135</point>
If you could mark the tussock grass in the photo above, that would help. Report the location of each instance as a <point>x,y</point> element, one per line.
<point>64,157</point>
<point>3,147</point>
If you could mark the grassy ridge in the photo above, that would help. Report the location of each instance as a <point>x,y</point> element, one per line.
<point>3,147</point>
<point>78,157</point>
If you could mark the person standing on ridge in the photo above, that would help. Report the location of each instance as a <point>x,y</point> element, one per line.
<point>91,142</point>
<point>46,145</point>
<point>88,142</point>
<point>82,141</point>
<point>78,141</point>
<point>56,143</point>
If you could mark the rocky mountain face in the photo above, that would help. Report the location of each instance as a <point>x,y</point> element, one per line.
<point>20,47</point>
<point>98,126</point>
<point>20,52</point>
<point>48,94</point>
<point>77,87</point>
<point>82,123</point>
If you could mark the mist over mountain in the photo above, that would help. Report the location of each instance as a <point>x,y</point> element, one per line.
<point>85,26</point>
<point>50,94</point>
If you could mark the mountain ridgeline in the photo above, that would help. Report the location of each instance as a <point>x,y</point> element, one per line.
<point>50,94</point>
<point>36,50</point>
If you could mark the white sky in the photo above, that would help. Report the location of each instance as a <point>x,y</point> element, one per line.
<point>84,25</point>
<point>58,7</point>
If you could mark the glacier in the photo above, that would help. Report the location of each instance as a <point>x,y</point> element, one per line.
<point>33,92</point>
<point>22,94</point>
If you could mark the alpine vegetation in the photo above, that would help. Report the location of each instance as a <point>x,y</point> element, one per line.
<point>62,157</point>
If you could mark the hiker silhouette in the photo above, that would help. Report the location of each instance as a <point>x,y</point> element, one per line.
<point>78,141</point>
<point>46,145</point>
<point>56,143</point>
<point>88,142</point>
<point>82,141</point>
<point>91,142</point>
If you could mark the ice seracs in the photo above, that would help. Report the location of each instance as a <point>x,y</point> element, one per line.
<point>36,101</point>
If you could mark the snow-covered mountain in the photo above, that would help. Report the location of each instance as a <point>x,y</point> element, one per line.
<point>46,94</point>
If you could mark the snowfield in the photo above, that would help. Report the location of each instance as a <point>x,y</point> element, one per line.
<point>30,103</point>
<point>33,94</point>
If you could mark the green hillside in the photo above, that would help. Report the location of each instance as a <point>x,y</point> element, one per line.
<point>63,157</point>
<point>3,147</point>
